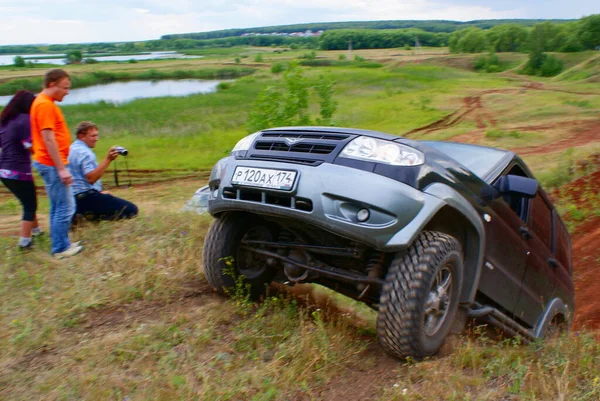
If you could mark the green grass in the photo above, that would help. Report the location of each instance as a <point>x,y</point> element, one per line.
<point>102,77</point>
<point>133,317</point>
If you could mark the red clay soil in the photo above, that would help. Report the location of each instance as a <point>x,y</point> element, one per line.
<point>585,242</point>
<point>471,104</point>
<point>584,132</point>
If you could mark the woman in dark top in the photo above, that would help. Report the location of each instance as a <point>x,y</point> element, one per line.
<point>15,161</point>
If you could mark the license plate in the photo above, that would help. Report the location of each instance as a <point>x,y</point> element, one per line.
<point>264,178</point>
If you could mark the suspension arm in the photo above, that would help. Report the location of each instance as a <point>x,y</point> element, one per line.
<point>328,271</point>
<point>326,250</point>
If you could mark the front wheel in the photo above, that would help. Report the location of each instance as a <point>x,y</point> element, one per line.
<point>225,259</point>
<point>420,296</point>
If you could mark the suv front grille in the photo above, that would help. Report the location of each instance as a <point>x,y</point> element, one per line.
<point>268,198</point>
<point>296,160</point>
<point>299,148</point>
<point>306,147</point>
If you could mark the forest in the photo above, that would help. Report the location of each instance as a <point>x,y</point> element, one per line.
<point>461,37</point>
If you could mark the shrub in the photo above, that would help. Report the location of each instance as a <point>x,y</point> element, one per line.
<point>288,102</point>
<point>542,64</point>
<point>258,58</point>
<point>309,56</point>
<point>19,61</point>
<point>277,68</point>
<point>489,63</point>
<point>551,66</point>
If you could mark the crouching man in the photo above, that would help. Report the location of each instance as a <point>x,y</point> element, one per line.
<point>92,202</point>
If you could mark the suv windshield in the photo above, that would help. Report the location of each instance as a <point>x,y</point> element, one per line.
<point>479,159</point>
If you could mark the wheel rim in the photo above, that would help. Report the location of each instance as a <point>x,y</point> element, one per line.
<point>438,301</point>
<point>251,264</point>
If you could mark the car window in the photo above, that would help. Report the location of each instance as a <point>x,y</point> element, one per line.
<point>478,159</point>
<point>541,220</point>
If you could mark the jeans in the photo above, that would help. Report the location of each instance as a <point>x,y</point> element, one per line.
<point>98,206</point>
<point>62,206</point>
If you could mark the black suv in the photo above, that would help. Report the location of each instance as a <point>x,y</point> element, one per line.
<point>427,233</point>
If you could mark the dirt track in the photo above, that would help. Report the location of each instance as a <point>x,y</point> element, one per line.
<point>581,132</point>
<point>357,383</point>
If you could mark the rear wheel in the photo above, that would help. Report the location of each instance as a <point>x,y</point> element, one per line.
<point>419,299</point>
<point>556,327</point>
<point>225,259</point>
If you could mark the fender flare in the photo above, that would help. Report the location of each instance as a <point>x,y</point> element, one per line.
<point>555,307</point>
<point>458,202</point>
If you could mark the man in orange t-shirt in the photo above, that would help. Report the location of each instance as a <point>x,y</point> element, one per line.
<point>51,141</point>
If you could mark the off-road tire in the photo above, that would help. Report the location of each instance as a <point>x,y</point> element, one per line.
<point>408,284</point>
<point>557,327</point>
<point>223,259</point>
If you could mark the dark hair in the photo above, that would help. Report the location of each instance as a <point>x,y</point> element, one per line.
<point>84,126</point>
<point>19,104</point>
<point>55,75</point>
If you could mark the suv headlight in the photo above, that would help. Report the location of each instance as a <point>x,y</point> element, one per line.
<point>245,143</point>
<point>380,151</point>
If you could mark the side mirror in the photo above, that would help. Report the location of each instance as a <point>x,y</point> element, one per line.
<point>489,193</point>
<point>515,184</point>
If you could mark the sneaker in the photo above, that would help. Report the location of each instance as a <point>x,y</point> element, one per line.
<point>24,248</point>
<point>71,251</point>
<point>37,233</point>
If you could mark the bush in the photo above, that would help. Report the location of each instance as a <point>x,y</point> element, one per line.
<point>288,103</point>
<point>542,64</point>
<point>489,63</point>
<point>258,58</point>
<point>90,61</point>
<point>309,56</point>
<point>277,68</point>
<point>19,61</point>
<point>551,66</point>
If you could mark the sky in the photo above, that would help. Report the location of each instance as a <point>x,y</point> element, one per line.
<point>82,21</point>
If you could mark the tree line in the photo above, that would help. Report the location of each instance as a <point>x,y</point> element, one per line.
<point>468,37</point>
<point>427,25</point>
<point>583,34</point>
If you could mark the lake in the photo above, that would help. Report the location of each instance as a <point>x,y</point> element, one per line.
<point>59,59</point>
<point>123,92</point>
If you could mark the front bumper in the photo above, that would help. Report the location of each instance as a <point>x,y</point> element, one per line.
<point>397,212</point>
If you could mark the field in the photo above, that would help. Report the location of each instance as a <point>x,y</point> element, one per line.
<point>133,318</point>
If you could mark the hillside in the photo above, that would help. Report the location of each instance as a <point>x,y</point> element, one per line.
<point>133,318</point>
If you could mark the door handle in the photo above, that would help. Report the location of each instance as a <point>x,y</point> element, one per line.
<point>524,232</point>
